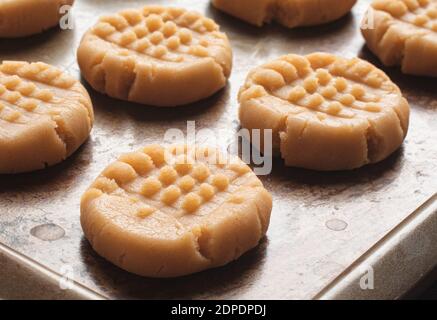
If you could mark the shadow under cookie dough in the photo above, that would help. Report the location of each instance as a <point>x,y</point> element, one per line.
<point>211,284</point>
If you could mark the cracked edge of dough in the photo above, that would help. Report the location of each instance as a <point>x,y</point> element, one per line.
<point>258,208</point>
<point>390,42</point>
<point>373,141</point>
<point>94,65</point>
<point>289,13</point>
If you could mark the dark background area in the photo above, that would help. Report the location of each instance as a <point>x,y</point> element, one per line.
<point>430,294</point>
<point>425,289</point>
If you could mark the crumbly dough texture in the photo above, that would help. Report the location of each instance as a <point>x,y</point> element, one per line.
<point>290,13</point>
<point>159,56</point>
<point>45,115</point>
<point>172,211</point>
<point>405,34</point>
<point>326,112</point>
<point>19,18</point>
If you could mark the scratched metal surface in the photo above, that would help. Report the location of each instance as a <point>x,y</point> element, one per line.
<point>321,222</point>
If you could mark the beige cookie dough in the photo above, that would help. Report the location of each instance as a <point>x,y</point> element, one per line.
<point>19,18</point>
<point>45,115</point>
<point>290,13</point>
<point>326,112</point>
<point>404,32</point>
<point>157,56</point>
<point>176,210</point>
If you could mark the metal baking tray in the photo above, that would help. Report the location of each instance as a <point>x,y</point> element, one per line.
<point>330,233</point>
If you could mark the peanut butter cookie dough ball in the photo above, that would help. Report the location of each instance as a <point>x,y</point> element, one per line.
<point>404,32</point>
<point>172,211</point>
<point>289,13</point>
<point>19,18</point>
<point>326,112</point>
<point>157,56</point>
<point>45,115</point>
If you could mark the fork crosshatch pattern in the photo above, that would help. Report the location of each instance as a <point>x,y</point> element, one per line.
<point>302,253</point>
<point>156,55</point>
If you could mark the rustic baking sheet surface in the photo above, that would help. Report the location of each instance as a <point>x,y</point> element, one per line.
<point>321,222</point>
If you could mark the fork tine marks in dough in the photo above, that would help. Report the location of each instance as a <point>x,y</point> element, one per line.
<point>405,34</point>
<point>161,213</point>
<point>45,115</point>
<point>159,56</point>
<point>326,112</point>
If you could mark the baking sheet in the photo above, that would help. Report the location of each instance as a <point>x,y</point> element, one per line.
<point>321,222</point>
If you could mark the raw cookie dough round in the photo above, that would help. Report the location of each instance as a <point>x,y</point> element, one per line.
<point>289,13</point>
<point>158,56</point>
<point>326,112</point>
<point>19,18</point>
<point>404,32</point>
<point>172,211</point>
<point>45,115</point>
